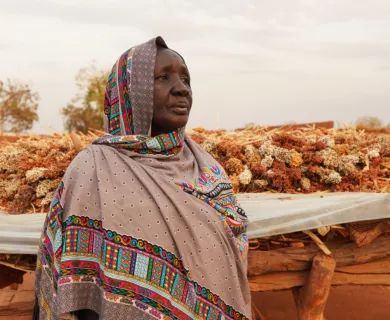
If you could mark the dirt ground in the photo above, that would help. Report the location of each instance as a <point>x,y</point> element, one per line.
<point>345,303</point>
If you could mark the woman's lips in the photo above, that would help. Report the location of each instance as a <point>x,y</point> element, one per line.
<point>180,108</point>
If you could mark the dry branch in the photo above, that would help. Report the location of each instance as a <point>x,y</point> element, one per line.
<point>365,237</point>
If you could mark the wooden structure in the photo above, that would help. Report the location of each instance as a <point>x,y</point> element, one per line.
<point>307,271</point>
<point>308,263</point>
<point>16,293</point>
<point>310,273</point>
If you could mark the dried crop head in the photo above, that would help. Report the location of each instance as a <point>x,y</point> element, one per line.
<point>250,153</point>
<point>235,183</point>
<point>305,183</point>
<point>234,166</point>
<point>245,177</point>
<point>267,149</point>
<point>346,167</point>
<point>296,159</point>
<point>46,201</point>
<point>9,159</point>
<point>330,158</point>
<point>267,162</point>
<point>282,155</point>
<point>23,200</point>
<point>209,145</point>
<point>261,183</point>
<point>328,141</point>
<point>329,176</point>
<point>373,153</point>
<point>384,142</point>
<point>351,158</point>
<point>310,139</point>
<point>288,141</point>
<point>46,186</point>
<point>342,149</point>
<point>35,174</point>
<point>9,186</point>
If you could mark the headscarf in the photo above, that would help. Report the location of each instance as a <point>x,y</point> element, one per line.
<point>143,227</point>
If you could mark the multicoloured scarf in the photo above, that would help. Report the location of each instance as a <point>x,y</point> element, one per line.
<point>143,227</point>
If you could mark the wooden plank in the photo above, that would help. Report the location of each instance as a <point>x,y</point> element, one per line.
<point>376,267</point>
<point>278,281</point>
<point>299,259</point>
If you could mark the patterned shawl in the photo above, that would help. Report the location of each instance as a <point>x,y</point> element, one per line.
<point>143,227</point>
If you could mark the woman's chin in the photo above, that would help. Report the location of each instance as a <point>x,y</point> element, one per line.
<point>179,121</point>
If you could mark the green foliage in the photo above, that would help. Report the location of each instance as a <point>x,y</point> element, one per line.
<point>18,107</point>
<point>85,111</point>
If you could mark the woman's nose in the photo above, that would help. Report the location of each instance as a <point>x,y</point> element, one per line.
<point>180,88</point>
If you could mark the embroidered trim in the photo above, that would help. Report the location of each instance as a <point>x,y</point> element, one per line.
<point>128,269</point>
<point>214,188</point>
<point>45,306</point>
<point>165,144</point>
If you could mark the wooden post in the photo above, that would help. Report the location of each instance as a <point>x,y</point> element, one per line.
<point>310,299</point>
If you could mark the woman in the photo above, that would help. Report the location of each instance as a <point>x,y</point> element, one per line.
<point>144,224</point>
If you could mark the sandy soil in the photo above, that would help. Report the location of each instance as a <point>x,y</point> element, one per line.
<point>345,303</point>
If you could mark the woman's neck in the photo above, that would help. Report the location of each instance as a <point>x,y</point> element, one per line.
<point>156,131</point>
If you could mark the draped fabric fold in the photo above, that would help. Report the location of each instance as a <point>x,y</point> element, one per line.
<point>143,227</point>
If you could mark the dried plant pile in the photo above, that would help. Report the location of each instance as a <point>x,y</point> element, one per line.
<point>32,167</point>
<point>302,160</point>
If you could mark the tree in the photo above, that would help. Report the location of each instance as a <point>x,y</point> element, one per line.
<point>370,122</point>
<point>85,111</point>
<point>18,107</point>
<point>251,125</point>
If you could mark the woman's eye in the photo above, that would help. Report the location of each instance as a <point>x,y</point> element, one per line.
<point>164,77</point>
<point>186,81</point>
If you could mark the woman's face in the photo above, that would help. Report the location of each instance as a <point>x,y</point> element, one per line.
<point>172,92</point>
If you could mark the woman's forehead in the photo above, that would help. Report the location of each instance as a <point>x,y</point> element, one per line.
<point>166,57</point>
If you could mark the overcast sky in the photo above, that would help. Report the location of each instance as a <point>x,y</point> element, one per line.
<point>268,62</point>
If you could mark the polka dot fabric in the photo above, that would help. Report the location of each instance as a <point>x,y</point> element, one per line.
<point>157,235</point>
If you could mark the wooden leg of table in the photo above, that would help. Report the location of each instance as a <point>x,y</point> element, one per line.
<point>310,299</point>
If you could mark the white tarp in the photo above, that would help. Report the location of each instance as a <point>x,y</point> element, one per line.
<point>274,214</point>
<point>269,214</point>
